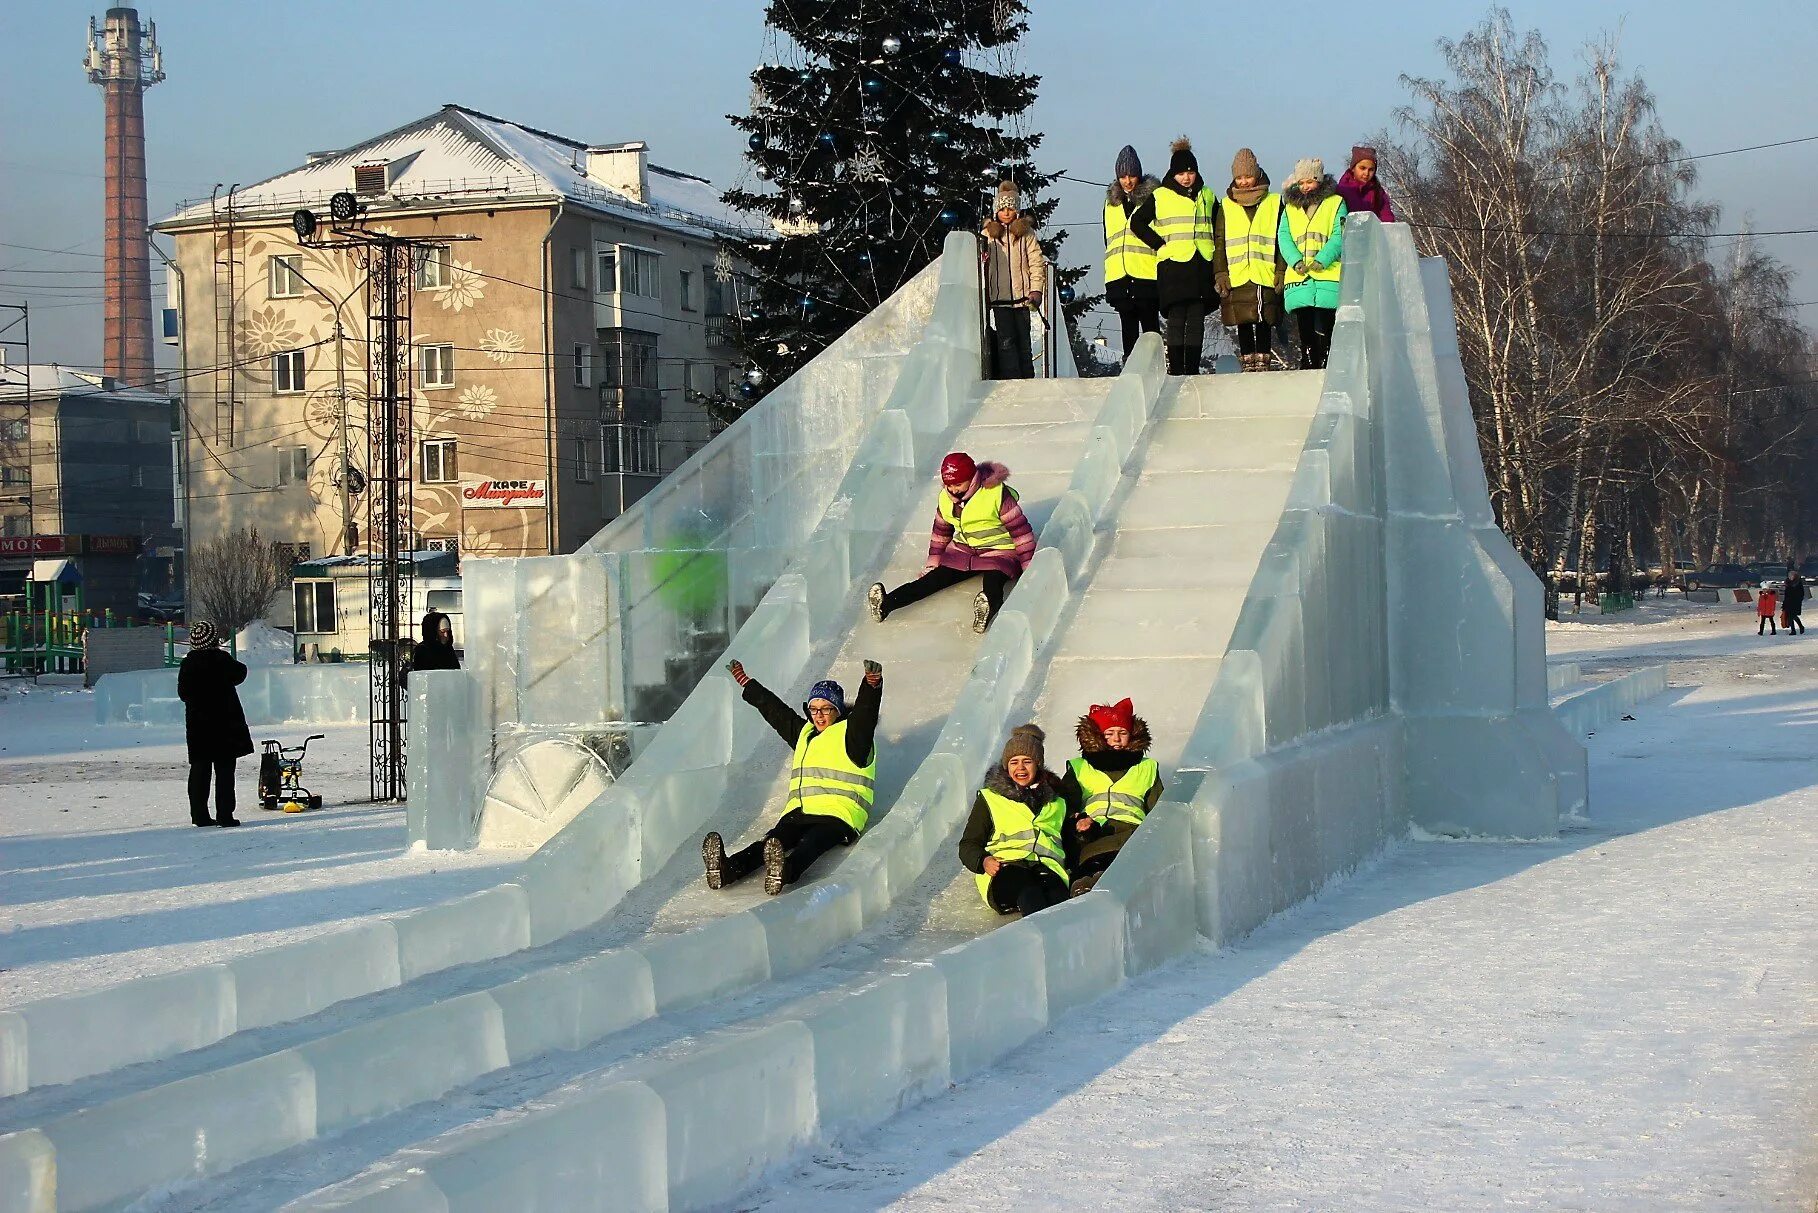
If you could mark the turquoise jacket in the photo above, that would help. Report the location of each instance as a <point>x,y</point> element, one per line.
<point>1309,293</point>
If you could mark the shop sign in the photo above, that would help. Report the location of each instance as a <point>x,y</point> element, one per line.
<point>504,494</point>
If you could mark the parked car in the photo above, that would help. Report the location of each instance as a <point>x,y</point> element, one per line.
<point>1767,572</point>
<point>1720,577</point>
<point>153,609</point>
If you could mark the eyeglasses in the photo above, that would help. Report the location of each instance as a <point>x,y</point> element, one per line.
<point>828,711</point>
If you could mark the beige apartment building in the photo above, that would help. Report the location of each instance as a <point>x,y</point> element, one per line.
<point>563,351</point>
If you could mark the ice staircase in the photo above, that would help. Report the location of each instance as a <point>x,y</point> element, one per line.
<point>1269,565</point>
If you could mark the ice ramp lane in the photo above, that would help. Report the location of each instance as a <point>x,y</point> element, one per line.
<point>1345,706</point>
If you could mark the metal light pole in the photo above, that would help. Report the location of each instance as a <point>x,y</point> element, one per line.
<point>347,530</point>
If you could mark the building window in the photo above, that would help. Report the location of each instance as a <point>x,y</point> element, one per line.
<point>445,543</point>
<point>15,431</point>
<point>607,279</point>
<point>583,461</point>
<point>284,283</point>
<point>578,264</point>
<point>716,292</point>
<point>628,358</point>
<point>637,272</point>
<point>688,291</point>
<point>14,476</point>
<point>439,461</point>
<point>315,602</point>
<point>629,449</point>
<point>432,271</point>
<point>438,366</point>
<point>16,526</point>
<point>293,464</point>
<point>287,372</point>
<point>583,365</point>
<point>138,477</point>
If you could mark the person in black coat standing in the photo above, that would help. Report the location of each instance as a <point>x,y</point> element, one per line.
<point>1794,600</point>
<point>214,723</point>
<point>436,651</point>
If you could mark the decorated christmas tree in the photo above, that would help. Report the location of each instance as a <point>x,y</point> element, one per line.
<point>875,130</point>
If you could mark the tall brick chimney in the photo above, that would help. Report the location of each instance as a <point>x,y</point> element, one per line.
<point>124,59</point>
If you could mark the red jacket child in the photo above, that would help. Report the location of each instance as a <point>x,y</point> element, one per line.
<point>1766,603</point>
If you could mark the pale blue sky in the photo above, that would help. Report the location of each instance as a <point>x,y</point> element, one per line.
<point>254,85</point>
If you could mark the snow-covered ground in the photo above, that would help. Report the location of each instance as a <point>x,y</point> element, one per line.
<point>102,877</point>
<point>1624,1019</point>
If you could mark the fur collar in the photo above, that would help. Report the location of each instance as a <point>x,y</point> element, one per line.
<point>1020,228</point>
<point>1045,788</point>
<point>1092,745</point>
<point>1310,199</point>
<point>1115,196</point>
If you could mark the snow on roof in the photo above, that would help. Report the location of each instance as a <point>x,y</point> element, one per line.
<point>457,153</point>
<point>53,379</point>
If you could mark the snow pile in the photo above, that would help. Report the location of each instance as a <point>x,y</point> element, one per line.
<point>261,644</point>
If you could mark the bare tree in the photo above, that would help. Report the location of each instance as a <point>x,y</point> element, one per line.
<point>233,580</point>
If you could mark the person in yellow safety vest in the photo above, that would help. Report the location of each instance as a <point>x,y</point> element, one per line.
<point>1109,788</point>
<point>1184,210</point>
<point>1312,240</point>
<point>832,780</point>
<point>979,529</point>
<point>1013,844</point>
<point>1247,264</point>
<point>1130,244</point>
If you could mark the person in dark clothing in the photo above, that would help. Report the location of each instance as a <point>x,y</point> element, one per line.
<point>1013,841</point>
<point>1109,788</point>
<point>831,782</point>
<point>1795,599</point>
<point>435,650</point>
<point>1130,244</point>
<point>214,723</point>
<point>1184,213</point>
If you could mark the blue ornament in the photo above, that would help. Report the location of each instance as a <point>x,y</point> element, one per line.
<point>950,217</point>
<point>952,56</point>
<point>864,258</point>
<point>1066,294</point>
<point>826,140</point>
<point>873,85</point>
<point>941,137</point>
<point>755,143</point>
<point>807,303</point>
<point>805,76</point>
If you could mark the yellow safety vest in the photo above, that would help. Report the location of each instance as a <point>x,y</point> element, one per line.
<point>1184,224</point>
<point>1250,243</point>
<point>978,525</point>
<point>825,780</point>
<point>1019,833</point>
<point>1310,234</point>
<point>1124,799</point>
<point>1125,255</point>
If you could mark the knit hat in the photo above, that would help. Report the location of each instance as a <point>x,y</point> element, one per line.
<point>958,468</point>
<point>1026,742</point>
<point>1244,164</point>
<point>1182,157</point>
<point>1310,169</point>
<point>831,691</point>
<point>1120,715</point>
<point>203,635</point>
<point>1361,151</point>
<point>1129,164</point>
<point>1007,197</point>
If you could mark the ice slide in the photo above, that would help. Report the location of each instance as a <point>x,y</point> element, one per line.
<point>1272,582</point>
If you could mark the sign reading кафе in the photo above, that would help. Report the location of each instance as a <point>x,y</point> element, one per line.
<point>504,494</point>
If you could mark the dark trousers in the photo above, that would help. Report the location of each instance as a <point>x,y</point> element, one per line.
<point>221,770</point>
<point>1315,336</point>
<point>1766,626</point>
<point>1794,624</point>
<point>1252,337</point>
<point>937,579</point>
<point>805,838</point>
<point>1012,355</point>
<point>1186,336</point>
<point>1024,888</point>
<point>1137,319</point>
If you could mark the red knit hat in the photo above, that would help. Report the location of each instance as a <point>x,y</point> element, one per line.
<point>958,468</point>
<point>1120,715</point>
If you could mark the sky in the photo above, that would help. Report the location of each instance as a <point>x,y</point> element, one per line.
<point>253,86</point>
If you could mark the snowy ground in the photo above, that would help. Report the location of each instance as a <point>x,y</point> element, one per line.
<point>1624,1019</point>
<point>103,878</point>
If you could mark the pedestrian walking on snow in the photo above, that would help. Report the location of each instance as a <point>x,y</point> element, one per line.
<point>1013,844</point>
<point>1766,603</point>
<point>1184,210</point>
<point>214,723</point>
<point>831,780</point>
<point>1362,189</point>
<point>1109,788</point>
<point>1016,275</point>
<point>1312,243</point>
<point>1794,601</point>
<point>1130,244</point>
<point>979,530</point>
<point>1247,264</point>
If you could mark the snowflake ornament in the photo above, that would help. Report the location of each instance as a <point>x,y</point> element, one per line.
<point>1003,14</point>
<point>760,99</point>
<point>866,164</point>
<point>722,265</point>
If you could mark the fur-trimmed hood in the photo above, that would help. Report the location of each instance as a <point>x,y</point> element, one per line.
<point>1145,188</point>
<point>1092,741</point>
<point>1311,198</point>
<point>1020,227</point>
<point>1045,788</point>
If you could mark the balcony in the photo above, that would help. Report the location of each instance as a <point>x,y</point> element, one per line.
<point>630,405</point>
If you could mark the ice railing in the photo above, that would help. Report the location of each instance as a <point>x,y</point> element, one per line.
<point>610,633</point>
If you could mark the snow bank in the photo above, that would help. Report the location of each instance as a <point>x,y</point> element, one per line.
<point>261,644</point>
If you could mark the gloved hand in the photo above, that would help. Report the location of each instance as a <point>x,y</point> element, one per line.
<point>1035,300</point>
<point>737,670</point>
<point>1306,265</point>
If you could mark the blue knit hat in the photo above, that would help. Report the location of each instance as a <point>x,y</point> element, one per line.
<point>831,691</point>
<point>1129,164</point>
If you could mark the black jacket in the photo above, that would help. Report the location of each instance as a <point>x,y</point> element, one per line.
<point>431,653</point>
<point>979,826</point>
<point>861,722</point>
<point>214,723</point>
<point>1139,210</point>
<point>1795,592</point>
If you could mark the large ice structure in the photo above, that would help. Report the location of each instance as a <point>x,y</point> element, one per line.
<point>1239,551</point>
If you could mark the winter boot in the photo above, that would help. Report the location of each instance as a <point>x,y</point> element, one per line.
<point>200,821</point>
<point>874,598</point>
<point>774,859</point>
<point>227,821</point>
<point>713,858</point>
<point>981,612</point>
